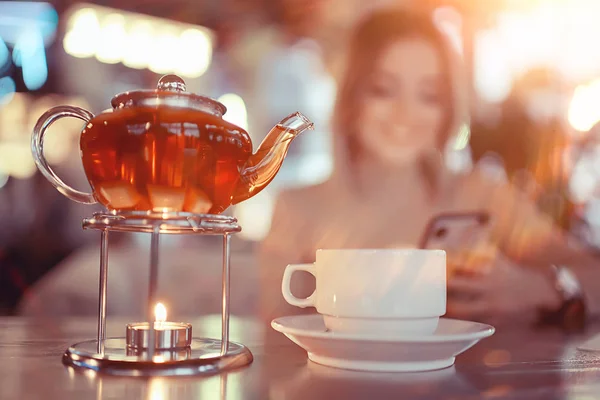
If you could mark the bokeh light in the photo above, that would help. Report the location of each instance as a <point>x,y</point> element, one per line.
<point>236,110</point>
<point>138,41</point>
<point>583,111</point>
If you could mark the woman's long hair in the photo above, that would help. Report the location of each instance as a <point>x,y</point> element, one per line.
<point>371,37</point>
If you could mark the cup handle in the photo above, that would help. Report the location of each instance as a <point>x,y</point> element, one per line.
<point>37,149</point>
<point>287,281</point>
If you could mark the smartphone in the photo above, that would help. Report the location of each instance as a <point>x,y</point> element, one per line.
<point>449,231</point>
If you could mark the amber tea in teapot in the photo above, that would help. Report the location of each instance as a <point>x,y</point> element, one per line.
<point>170,151</point>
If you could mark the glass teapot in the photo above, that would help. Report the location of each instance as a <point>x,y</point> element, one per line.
<point>167,150</point>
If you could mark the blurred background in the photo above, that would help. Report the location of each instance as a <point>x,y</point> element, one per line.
<point>533,68</point>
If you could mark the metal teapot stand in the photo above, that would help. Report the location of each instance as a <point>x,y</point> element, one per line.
<point>116,356</point>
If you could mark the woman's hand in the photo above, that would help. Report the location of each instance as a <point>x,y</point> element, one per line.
<point>499,292</point>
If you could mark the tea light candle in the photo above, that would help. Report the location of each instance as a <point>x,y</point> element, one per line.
<point>164,355</point>
<point>168,335</point>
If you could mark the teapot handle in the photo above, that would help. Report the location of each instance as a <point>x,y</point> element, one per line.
<point>37,149</point>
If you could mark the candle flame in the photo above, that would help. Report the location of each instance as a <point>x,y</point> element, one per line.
<point>160,312</point>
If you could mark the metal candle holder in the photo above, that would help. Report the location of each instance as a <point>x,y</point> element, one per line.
<point>168,349</point>
<point>168,336</point>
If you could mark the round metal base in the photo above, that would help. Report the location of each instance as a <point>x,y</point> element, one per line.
<point>203,357</point>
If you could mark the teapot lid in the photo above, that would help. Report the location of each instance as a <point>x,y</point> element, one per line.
<point>170,93</point>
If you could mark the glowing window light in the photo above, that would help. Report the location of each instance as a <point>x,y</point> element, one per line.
<point>112,44</point>
<point>81,40</point>
<point>236,110</point>
<point>138,41</point>
<point>140,45</point>
<point>583,111</point>
<point>166,53</point>
<point>195,53</point>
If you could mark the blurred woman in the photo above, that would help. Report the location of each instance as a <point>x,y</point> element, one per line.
<point>398,106</point>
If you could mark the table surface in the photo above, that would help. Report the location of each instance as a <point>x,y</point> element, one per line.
<point>514,363</point>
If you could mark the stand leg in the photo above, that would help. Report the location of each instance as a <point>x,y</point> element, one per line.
<point>99,391</point>
<point>225,293</point>
<point>223,391</point>
<point>102,291</point>
<point>152,284</point>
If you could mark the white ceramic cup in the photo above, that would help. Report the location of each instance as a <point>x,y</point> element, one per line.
<point>378,291</point>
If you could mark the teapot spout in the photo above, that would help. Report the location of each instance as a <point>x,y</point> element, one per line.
<point>263,165</point>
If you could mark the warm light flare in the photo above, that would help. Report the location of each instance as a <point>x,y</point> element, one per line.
<point>160,312</point>
<point>158,389</point>
<point>552,34</point>
<point>583,112</point>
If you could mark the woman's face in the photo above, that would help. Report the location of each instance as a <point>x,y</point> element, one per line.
<point>401,109</point>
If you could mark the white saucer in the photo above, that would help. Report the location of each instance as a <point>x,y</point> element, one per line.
<point>382,353</point>
<point>592,344</point>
